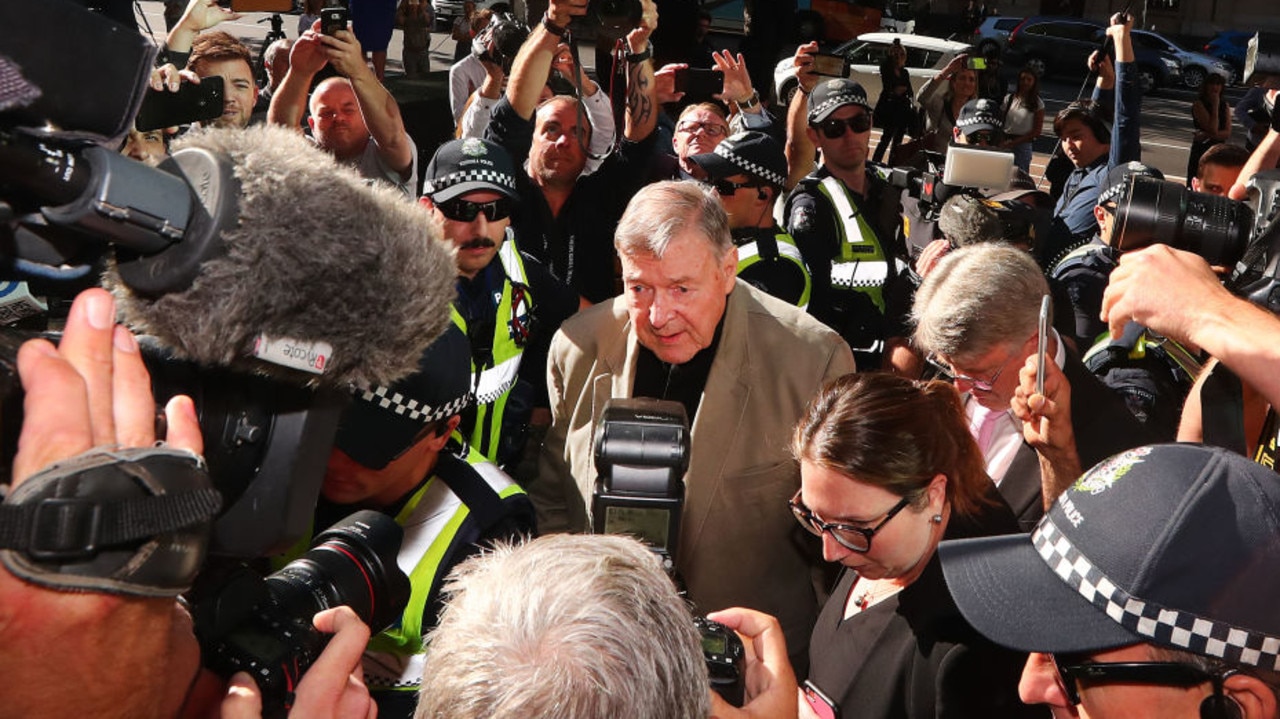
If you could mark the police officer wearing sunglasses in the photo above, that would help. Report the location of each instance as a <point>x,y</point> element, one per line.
<point>844,218</point>
<point>508,304</point>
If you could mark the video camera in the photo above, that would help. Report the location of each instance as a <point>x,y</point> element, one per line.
<point>641,455</point>
<point>500,40</point>
<point>1225,232</point>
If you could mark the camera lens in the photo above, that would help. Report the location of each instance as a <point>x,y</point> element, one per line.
<point>352,563</point>
<point>616,17</point>
<point>1216,228</point>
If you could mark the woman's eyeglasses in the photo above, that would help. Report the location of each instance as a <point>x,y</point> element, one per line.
<point>834,129</point>
<point>461,210</point>
<point>855,539</point>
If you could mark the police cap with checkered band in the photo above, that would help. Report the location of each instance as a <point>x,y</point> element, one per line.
<point>469,165</point>
<point>1175,545</point>
<point>381,423</point>
<point>750,153</point>
<point>833,94</point>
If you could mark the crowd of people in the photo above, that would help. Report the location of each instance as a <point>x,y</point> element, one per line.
<point>911,491</point>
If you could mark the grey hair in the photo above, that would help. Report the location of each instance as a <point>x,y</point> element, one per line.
<point>978,298</point>
<point>660,211</point>
<point>564,627</point>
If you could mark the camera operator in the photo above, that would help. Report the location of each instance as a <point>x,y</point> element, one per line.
<point>1095,139</point>
<point>587,627</point>
<point>106,653</point>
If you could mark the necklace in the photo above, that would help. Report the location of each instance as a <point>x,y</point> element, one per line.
<point>873,593</point>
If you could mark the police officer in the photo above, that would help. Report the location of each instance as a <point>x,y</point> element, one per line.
<point>844,217</point>
<point>748,171</point>
<point>508,304</point>
<point>391,455</point>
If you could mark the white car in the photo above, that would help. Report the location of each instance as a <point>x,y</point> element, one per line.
<point>926,56</point>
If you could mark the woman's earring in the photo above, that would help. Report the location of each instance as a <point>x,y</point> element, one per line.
<point>936,519</point>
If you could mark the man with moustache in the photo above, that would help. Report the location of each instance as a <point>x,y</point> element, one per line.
<point>844,217</point>
<point>508,305</point>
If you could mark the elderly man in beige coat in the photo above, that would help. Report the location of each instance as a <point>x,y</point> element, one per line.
<point>744,365</point>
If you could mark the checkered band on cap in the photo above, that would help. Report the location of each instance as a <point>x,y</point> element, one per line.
<point>412,409</point>
<point>1163,625</point>
<point>978,118</point>
<point>473,177</point>
<point>726,150</point>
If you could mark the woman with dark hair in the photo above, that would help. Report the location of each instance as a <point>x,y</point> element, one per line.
<point>894,110</point>
<point>1023,118</point>
<point>888,470</point>
<point>1212,119</point>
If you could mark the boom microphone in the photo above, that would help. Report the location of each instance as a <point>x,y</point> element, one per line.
<point>321,272</point>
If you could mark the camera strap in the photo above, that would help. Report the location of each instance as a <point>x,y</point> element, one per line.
<point>126,521</point>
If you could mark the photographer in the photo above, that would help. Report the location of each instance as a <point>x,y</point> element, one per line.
<point>122,653</point>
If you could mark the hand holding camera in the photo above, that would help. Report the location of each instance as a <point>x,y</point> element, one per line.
<point>803,61</point>
<point>771,688</point>
<point>561,12</point>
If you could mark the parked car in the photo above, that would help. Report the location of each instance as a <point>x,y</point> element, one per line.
<point>1195,66</point>
<point>993,33</point>
<point>1231,46</point>
<point>1062,45</point>
<point>447,10</point>
<point>926,56</point>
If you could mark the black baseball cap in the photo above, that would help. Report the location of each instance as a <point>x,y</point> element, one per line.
<point>382,422</point>
<point>833,94</point>
<point>1176,545</point>
<point>752,153</point>
<point>468,165</point>
<point>980,114</point>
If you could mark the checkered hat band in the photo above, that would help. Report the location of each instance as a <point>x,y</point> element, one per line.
<point>412,409</point>
<point>981,118</point>
<point>491,177</point>
<point>1112,193</point>
<point>750,167</point>
<point>1169,627</point>
<point>837,100</point>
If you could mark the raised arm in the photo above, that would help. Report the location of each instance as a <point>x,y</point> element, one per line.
<point>289,102</point>
<point>642,104</point>
<point>800,149</point>
<point>377,106</point>
<point>200,15</point>
<point>532,64</point>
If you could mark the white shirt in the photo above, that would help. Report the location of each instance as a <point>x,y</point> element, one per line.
<point>465,76</point>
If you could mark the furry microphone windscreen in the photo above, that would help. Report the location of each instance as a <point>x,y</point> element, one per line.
<point>317,256</point>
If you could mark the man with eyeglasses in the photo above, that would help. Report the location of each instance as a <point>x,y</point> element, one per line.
<point>508,305</point>
<point>844,217</point>
<point>747,171</point>
<point>566,219</point>
<point>1148,591</point>
<point>977,318</point>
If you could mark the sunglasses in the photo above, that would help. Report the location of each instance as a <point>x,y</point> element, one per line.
<point>1158,673</point>
<point>985,137</point>
<point>855,539</point>
<point>461,210</point>
<point>948,373</point>
<point>725,188</point>
<point>833,128</point>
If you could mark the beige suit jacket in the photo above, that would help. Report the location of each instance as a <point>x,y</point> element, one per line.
<point>739,545</point>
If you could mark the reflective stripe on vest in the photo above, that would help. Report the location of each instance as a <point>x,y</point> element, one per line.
<point>749,254</point>
<point>493,384</point>
<point>861,264</point>
<point>431,519</point>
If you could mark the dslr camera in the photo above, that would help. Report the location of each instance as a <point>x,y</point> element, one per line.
<point>1225,232</point>
<point>263,625</point>
<point>641,453</point>
<point>500,40</point>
